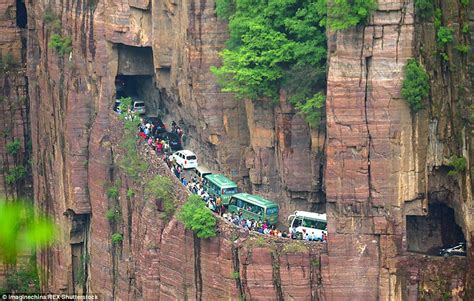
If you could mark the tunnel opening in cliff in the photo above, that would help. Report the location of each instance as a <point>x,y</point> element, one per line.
<point>427,234</point>
<point>135,77</point>
<point>21,15</point>
<point>139,87</point>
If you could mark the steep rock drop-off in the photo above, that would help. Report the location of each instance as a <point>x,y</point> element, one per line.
<point>380,165</point>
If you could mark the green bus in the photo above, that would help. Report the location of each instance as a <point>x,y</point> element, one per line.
<point>220,186</point>
<point>254,207</point>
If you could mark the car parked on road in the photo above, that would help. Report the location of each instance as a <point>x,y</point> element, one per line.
<point>117,105</point>
<point>139,107</point>
<point>156,121</point>
<point>458,249</point>
<point>185,158</point>
<point>201,172</point>
<point>172,139</point>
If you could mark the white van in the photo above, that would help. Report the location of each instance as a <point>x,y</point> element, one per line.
<point>307,225</point>
<point>139,107</point>
<point>185,158</point>
<point>201,172</point>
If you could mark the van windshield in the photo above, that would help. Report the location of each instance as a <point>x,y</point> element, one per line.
<point>140,104</point>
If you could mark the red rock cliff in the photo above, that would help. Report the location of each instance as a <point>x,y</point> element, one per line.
<point>378,171</point>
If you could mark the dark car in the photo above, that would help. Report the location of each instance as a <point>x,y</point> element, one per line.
<point>458,249</point>
<point>159,125</point>
<point>173,140</point>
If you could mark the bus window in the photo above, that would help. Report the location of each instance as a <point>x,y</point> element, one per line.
<point>297,222</point>
<point>229,190</point>
<point>308,223</point>
<point>320,225</point>
<point>232,202</point>
<point>239,203</point>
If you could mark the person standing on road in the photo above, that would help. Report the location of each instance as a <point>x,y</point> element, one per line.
<point>218,204</point>
<point>159,146</point>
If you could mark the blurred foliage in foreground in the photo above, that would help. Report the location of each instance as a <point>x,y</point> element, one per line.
<point>22,229</point>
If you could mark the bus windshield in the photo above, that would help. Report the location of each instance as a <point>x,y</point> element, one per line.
<point>232,190</point>
<point>272,211</point>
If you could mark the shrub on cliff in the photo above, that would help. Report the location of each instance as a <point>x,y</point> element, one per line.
<point>131,162</point>
<point>444,35</point>
<point>424,8</point>
<point>415,86</point>
<point>458,165</point>
<point>161,188</point>
<point>196,217</point>
<point>343,14</point>
<point>15,174</point>
<point>13,147</point>
<point>7,62</point>
<point>117,238</point>
<point>62,45</point>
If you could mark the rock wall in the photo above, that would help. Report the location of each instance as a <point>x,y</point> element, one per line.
<point>14,105</point>
<point>376,170</point>
<point>265,148</point>
<point>15,170</point>
<point>380,161</point>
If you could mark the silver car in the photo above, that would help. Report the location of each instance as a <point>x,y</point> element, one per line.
<point>459,249</point>
<point>139,107</point>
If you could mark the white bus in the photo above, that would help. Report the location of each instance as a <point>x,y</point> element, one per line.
<point>307,225</point>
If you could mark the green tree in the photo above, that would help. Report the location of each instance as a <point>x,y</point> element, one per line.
<point>13,147</point>
<point>415,85</point>
<point>15,174</point>
<point>281,44</point>
<point>62,45</point>
<point>444,35</point>
<point>21,229</point>
<point>273,44</point>
<point>458,164</point>
<point>161,188</point>
<point>117,238</point>
<point>196,217</point>
<point>311,109</point>
<point>343,14</point>
<point>424,8</point>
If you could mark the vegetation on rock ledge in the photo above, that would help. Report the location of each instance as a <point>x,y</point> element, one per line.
<point>415,86</point>
<point>281,44</point>
<point>161,188</point>
<point>62,45</point>
<point>131,162</point>
<point>196,217</point>
<point>458,165</point>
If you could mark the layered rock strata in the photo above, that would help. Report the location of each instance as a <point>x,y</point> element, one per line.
<point>379,155</point>
<point>375,150</point>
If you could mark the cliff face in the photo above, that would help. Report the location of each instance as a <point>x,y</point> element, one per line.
<point>14,115</point>
<point>386,175</point>
<point>380,176</point>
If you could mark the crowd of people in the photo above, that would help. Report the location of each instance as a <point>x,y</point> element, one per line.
<point>147,132</point>
<point>254,225</point>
